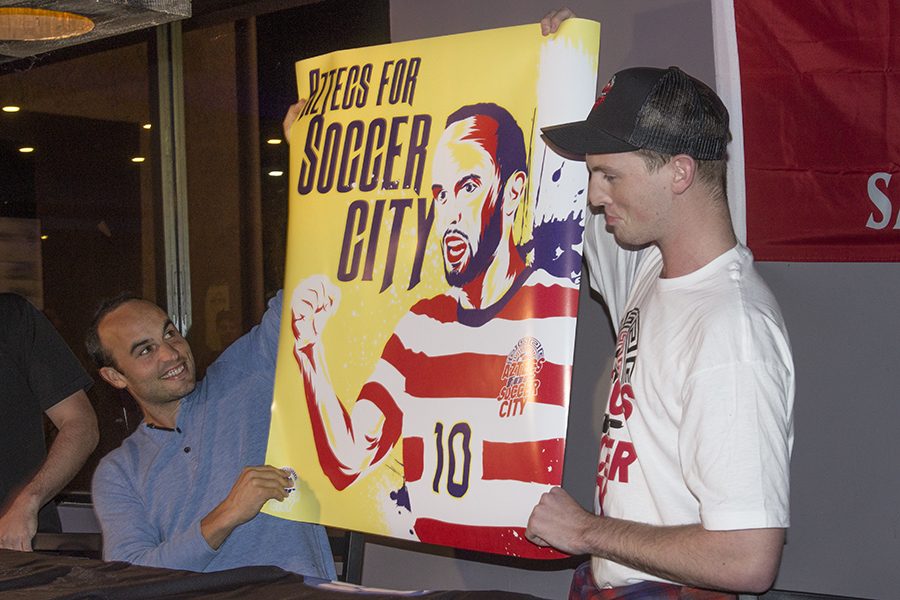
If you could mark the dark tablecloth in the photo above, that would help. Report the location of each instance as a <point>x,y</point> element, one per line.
<point>37,576</point>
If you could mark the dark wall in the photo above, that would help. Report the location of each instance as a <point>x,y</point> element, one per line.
<point>87,194</point>
<point>285,37</point>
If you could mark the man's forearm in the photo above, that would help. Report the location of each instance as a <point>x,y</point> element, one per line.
<point>253,488</point>
<point>744,560</point>
<point>76,439</point>
<point>738,561</point>
<point>217,526</point>
<point>333,435</point>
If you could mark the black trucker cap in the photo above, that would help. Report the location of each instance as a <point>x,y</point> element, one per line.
<point>665,110</point>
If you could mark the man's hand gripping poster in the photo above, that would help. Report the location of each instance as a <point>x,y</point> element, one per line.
<point>431,288</point>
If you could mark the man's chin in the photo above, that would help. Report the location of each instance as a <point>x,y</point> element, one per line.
<point>457,277</point>
<point>186,387</point>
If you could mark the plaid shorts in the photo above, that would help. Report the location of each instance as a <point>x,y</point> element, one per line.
<point>584,588</point>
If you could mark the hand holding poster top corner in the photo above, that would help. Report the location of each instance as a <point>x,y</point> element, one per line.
<point>433,266</point>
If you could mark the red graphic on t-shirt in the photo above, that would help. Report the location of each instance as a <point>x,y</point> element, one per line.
<point>616,454</point>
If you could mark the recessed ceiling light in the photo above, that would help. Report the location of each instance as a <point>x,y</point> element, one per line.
<point>32,24</point>
<point>273,141</point>
<point>138,159</point>
<point>44,237</point>
<point>147,126</point>
<point>276,173</point>
<point>26,149</point>
<point>11,109</point>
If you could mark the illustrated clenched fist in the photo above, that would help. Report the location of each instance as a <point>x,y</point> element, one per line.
<point>313,302</point>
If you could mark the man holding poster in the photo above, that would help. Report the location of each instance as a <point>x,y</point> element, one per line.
<point>472,335</point>
<point>185,489</point>
<point>692,483</point>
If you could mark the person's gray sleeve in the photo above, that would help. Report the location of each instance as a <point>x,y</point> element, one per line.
<point>128,534</point>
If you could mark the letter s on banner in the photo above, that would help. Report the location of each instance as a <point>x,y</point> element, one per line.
<point>881,202</point>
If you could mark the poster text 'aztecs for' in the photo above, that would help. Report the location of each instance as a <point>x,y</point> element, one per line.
<point>363,157</point>
<point>348,87</point>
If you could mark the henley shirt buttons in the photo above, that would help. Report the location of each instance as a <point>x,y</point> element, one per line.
<point>187,449</point>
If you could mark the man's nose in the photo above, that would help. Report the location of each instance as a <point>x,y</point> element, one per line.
<point>597,197</point>
<point>450,214</point>
<point>169,351</point>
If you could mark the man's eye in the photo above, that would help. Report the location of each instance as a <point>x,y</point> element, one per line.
<point>469,187</point>
<point>144,351</point>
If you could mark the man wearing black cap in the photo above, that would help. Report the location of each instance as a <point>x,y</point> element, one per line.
<point>693,474</point>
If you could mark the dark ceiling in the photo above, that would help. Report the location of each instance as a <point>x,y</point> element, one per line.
<point>204,13</point>
<point>212,11</point>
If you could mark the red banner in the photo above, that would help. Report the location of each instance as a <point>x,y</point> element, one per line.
<point>821,107</point>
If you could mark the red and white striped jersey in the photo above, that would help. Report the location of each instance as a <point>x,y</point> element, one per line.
<point>483,396</point>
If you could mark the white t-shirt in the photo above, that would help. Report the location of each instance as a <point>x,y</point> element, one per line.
<point>699,425</point>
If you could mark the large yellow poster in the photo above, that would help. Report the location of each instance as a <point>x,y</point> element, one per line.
<point>431,286</point>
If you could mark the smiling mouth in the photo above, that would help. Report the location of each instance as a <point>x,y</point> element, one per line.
<point>456,246</point>
<point>175,372</point>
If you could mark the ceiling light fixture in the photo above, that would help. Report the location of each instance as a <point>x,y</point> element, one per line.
<point>33,24</point>
<point>45,25</point>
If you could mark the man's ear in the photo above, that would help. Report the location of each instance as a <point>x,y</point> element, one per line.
<point>113,377</point>
<point>513,191</point>
<point>684,169</point>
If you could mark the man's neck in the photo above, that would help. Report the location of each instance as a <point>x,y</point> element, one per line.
<point>492,285</point>
<point>161,416</point>
<point>698,238</point>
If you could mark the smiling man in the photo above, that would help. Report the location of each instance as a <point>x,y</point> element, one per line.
<point>462,370</point>
<point>185,489</point>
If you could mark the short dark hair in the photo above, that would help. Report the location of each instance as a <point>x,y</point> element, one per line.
<point>714,173</point>
<point>510,142</point>
<point>95,349</point>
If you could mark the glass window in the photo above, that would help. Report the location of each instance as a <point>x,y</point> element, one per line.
<point>283,38</point>
<point>83,209</point>
<point>85,189</point>
<point>239,80</point>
